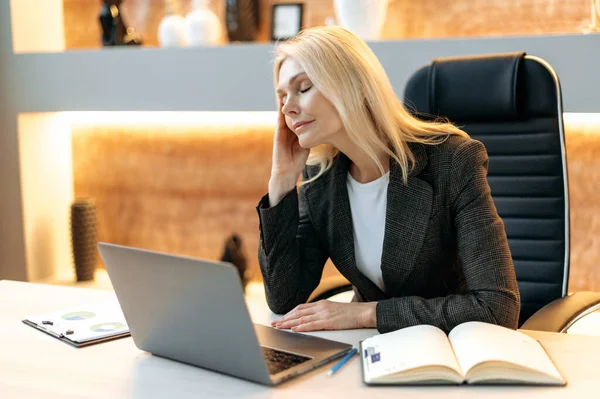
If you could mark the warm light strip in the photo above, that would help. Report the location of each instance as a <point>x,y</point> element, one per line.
<point>171,118</point>
<point>582,118</point>
<point>224,118</point>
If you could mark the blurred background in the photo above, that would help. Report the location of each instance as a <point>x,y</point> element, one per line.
<point>161,113</point>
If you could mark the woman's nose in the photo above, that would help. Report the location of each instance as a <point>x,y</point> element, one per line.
<point>289,108</point>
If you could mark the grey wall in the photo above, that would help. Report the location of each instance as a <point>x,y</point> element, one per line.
<point>238,77</point>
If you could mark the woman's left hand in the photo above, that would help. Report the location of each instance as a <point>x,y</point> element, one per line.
<point>328,315</point>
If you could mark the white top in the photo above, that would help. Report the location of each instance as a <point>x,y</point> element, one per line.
<point>368,204</point>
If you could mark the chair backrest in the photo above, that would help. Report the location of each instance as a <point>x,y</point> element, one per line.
<point>512,103</point>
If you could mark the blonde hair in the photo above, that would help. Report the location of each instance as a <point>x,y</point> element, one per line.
<point>347,72</point>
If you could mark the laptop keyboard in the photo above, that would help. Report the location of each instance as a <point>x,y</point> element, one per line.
<point>278,361</point>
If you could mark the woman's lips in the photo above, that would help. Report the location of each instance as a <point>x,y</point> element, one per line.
<point>298,126</point>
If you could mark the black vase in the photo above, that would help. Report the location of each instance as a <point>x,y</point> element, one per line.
<point>241,20</point>
<point>234,253</point>
<point>84,238</point>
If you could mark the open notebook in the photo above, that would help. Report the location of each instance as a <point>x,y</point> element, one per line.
<point>83,325</point>
<point>472,353</point>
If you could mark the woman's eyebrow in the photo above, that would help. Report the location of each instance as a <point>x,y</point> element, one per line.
<point>292,79</point>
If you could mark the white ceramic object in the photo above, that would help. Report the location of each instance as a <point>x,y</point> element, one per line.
<point>171,31</point>
<point>363,17</point>
<point>330,21</point>
<point>202,26</point>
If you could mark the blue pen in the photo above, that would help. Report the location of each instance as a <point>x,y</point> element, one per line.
<point>342,362</point>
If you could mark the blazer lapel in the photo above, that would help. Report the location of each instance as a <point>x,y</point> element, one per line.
<point>342,251</point>
<point>407,218</point>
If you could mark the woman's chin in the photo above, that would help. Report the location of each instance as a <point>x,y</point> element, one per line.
<point>305,142</point>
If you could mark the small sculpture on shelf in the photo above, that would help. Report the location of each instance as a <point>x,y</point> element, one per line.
<point>114,32</point>
<point>234,254</point>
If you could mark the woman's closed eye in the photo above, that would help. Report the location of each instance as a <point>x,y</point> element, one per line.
<point>283,98</point>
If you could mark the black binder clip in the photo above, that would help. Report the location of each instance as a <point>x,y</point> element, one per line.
<point>47,322</point>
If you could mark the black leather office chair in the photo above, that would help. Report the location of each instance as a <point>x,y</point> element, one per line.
<point>512,103</point>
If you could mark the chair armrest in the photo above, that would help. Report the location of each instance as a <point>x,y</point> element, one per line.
<point>330,286</point>
<point>560,314</point>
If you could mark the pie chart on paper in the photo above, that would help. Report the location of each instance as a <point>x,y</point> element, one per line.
<point>107,327</point>
<point>75,316</point>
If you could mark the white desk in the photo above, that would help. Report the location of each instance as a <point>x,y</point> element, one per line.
<point>33,364</point>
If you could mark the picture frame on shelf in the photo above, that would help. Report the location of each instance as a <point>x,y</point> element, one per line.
<point>286,20</point>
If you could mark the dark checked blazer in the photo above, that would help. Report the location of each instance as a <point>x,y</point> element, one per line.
<point>445,256</point>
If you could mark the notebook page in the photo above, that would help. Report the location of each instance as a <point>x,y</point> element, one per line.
<point>475,342</point>
<point>406,349</point>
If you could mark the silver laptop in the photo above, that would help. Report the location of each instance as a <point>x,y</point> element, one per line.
<point>193,311</point>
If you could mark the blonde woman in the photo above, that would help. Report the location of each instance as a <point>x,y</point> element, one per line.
<point>401,206</point>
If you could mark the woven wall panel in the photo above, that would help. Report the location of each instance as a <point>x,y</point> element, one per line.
<point>184,190</point>
<point>583,154</point>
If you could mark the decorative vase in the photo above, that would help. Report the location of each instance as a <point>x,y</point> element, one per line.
<point>113,28</point>
<point>234,253</point>
<point>171,30</point>
<point>202,26</point>
<point>111,22</point>
<point>84,238</point>
<point>363,17</point>
<point>241,20</point>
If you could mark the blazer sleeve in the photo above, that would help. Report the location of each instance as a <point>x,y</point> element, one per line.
<point>290,255</point>
<point>491,294</point>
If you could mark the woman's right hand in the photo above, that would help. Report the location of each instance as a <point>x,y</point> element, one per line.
<point>289,160</point>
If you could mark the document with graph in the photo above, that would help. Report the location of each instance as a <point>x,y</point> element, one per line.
<point>83,325</point>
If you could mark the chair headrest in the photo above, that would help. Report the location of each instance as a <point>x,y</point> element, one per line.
<point>473,88</point>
